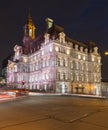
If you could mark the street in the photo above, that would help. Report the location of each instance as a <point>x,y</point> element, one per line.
<point>54,113</point>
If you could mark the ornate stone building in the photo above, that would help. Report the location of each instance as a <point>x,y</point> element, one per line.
<point>53,62</point>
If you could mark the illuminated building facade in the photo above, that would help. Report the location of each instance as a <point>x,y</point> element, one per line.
<point>53,62</point>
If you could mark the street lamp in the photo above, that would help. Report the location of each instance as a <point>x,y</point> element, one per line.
<point>106,53</point>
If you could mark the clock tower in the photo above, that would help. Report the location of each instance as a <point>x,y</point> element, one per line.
<point>29,34</point>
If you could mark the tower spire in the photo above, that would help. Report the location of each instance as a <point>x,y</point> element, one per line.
<point>29,14</point>
<point>29,18</point>
<point>29,33</point>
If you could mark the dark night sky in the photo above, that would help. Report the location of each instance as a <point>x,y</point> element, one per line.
<point>83,20</point>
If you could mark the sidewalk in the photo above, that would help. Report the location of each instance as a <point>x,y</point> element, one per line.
<point>6,98</point>
<point>66,94</point>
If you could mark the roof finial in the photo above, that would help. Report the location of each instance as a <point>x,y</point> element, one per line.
<point>29,17</point>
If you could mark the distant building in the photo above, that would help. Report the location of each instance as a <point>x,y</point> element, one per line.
<point>4,65</point>
<point>104,88</point>
<point>53,62</point>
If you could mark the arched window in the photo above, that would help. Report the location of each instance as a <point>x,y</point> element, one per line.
<point>58,75</point>
<point>71,77</point>
<point>62,37</point>
<point>71,64</point>
<point>58,61</point>
<point>64,62</point>
<point>15,68</point>
<point>64,76</point>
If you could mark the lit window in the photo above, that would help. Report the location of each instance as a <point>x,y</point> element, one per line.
<point>47,77</point>
<point>56,48</point>
<point>34,57</point>
<point>68,52</point>
<point>50,48</point>
<point>77,78</point>
<point>79,56</point>
<point>84,57</point>
<point>99,61</point>
<point>42,52</point>
<point>92,58</point>
<point>15,68</point>
<point>30,32</point>
<point>25,60</point>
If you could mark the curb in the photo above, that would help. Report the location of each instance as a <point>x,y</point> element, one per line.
<point>73,95</point>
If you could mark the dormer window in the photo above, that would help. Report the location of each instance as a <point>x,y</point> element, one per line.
<point>95,50</point>
<point>62,37</point>
<point>46,36</point>
<point>76,47</point>
<point>86,50</point>
<point>81,49</point>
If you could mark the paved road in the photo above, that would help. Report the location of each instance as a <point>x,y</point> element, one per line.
<point>54,113</point>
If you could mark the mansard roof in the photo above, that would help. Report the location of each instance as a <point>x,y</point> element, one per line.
<point>54,32</point>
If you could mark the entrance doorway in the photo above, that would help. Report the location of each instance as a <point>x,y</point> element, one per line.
<point>80,89</point>
<point>63,88</point>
